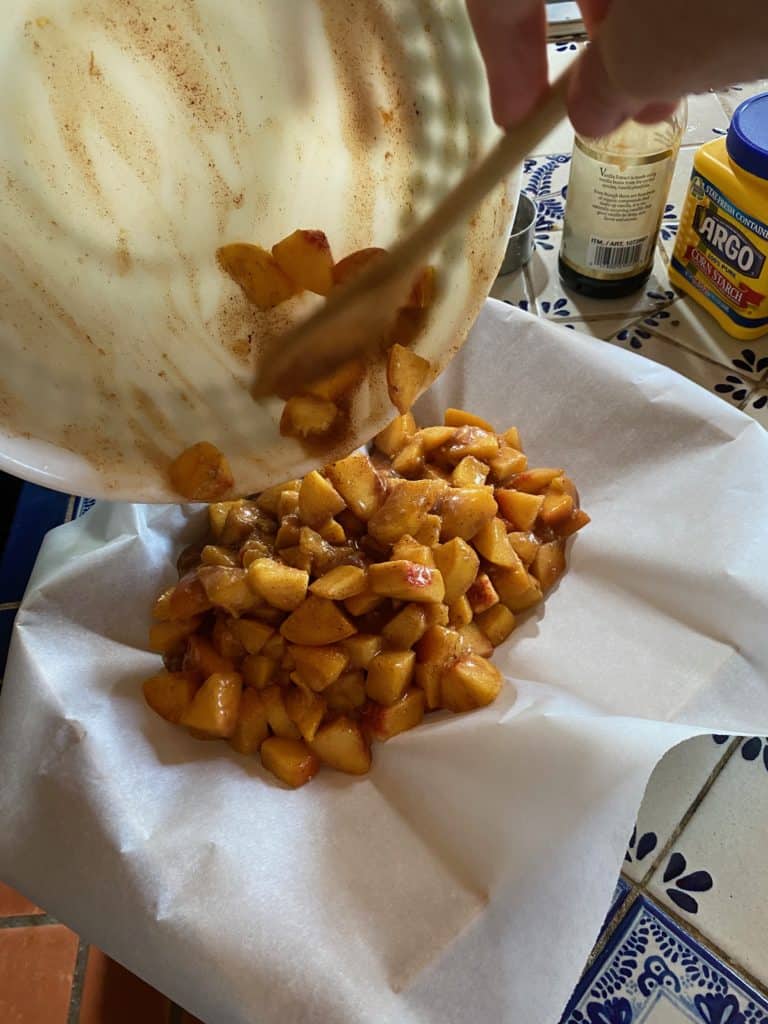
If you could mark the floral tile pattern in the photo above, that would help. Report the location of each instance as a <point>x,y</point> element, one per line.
<point>716,873</point>
<point>689,325</point>
<point>651,971</point>
<point>673,787</point>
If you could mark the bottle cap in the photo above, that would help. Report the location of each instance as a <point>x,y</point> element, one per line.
<point>747,140</point>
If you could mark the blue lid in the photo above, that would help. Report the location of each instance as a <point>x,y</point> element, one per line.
<point>747,140</point>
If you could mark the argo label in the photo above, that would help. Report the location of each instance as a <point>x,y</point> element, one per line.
<point>721,251</point>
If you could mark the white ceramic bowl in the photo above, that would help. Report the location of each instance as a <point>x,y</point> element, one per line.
<point>133,143</point>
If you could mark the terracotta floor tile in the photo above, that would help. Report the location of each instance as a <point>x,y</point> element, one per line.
<point>112,995</point>
<point>12,903</point>
<point>36,966</point>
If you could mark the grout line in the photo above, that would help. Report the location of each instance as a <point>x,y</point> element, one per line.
<point>607,933</point>
<point>27,921</point>
<point>10,606</point>
<point>692,352</point>
<point>78,978</point>
<point>709,944</point>
<point>689,813</point>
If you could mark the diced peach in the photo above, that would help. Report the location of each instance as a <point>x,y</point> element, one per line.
<point>340,583</point>
<point>171,637</point>
<point>404,510</point>
<point>170,693</point>
<point>308,416</point>
<point>482,444</point>
<point>525,545</point>
<point>268,499</point>
<point>409,461</point>
<point>460,612</point>
<point>256,271</point>
<point>353,265</point>
<point>279,585</point>
<point>214,708</point>
<point>201,473</point>
<point>382,723</point>
<point>491,541</point>
<point>216,554</point>
<point>517,590</point>
<point>252,727</point>
<point>576,522</point>
<point>406,628</point>
<point>406,581</point>
<point>227,588</point>
<point>341,745</point>
<point>347,693</point>
<point>462,418</point>
<point>358,483</point>
<point>521,510</point>
<point>534,481</point>
<point>458,563</point>
<point>305,258</point>
<point>557,508</point>
<point>361,649</point>
<point>188,598</point>
<point>252,634</point>
<point>318,667</point>
<point>549,563</point>
<point>497,623</point>
<point>471,682</point>
<point>202,658</point>
<point>305,709</point>
<point>474,640</point>
<point>389,675</point>
<point>161,609</point>
<point>392,438</point>
<point>508,463</point>
<point>318,499</point>
<point>409,548</point>
<point>465,510</point>
<point>258,670</point>
<point>407,374</point>
<point>277,715</point>
<point>470,472</point>
<point>317,622</point>
<point>290,760</point>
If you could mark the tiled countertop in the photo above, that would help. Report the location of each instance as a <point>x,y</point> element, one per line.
<point>686,938</point>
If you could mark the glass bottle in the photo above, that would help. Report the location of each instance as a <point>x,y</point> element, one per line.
<point>616,194</point>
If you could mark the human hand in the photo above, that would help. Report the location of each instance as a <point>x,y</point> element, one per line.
<point>641,61</point>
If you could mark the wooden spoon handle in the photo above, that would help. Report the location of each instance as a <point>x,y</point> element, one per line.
<point>462,201</point>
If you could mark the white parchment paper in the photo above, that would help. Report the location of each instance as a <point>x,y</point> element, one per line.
<point>465,879</point>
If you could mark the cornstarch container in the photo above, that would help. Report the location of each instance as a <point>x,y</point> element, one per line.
<point>721,253</point>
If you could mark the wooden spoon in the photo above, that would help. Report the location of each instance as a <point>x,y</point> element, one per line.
<point>356,318</point>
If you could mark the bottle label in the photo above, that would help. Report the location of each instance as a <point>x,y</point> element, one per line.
<point>723,253</point>
<point>614,212</point>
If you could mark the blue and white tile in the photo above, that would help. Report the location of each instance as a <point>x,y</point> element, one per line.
<point>729,385</point>
<point>545,179</point>
<point>603,327</point>
<point>715,876</point>
<point>673,787</point>
<point>757,406</point>
<point>691,326</point>
<point>652,972</point>
<point>706,119</point>
<point>558,304</point>
<point>731,98</point>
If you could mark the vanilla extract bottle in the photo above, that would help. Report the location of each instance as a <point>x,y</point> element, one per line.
<point>617,190</point>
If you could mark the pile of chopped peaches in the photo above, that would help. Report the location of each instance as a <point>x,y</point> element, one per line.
<point>339,609</point>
